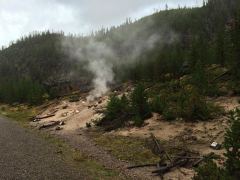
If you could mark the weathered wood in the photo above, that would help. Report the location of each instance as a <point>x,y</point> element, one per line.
<point>198,162</point>
<point>53,112</point>
<point>164,169</point>
<point>166,153</point>
<point>203,159</point>
<point>187,157</point>
<point>45,117</point>
<point>139,166</point>
<point>175,162</point>
<point>220,76</point>
<point>49,125</point>
<point>159,147</point>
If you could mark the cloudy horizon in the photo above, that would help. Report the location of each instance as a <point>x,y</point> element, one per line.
<point>18,18</point>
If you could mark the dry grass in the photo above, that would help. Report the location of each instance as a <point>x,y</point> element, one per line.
<point>126,148</point>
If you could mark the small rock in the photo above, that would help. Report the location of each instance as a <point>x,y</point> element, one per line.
<point>65,114</point>
<point>36,120</point>
<point>65,107</point>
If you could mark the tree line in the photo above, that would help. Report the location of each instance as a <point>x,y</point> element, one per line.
<point>206,35</point>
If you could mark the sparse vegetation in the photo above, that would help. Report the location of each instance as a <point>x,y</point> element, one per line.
<point>125,148</point>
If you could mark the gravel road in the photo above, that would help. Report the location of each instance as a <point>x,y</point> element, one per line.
<point>24,155</point>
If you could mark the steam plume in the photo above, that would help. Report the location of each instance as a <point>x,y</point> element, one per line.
<point>100,58</point>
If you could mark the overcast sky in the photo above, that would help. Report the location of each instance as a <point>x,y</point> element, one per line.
<point>20,17</point>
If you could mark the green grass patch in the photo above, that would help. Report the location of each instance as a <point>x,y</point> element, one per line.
<point>79,160</point>
<point>19,113</point>
<point>126,148</point>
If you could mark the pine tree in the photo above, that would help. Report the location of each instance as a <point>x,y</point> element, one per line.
<point>140,106</point>
<point>220,51</point>
<point>116,107</point>
<point>236,45</point>
<point>199,77</point>
<point>232,145</point>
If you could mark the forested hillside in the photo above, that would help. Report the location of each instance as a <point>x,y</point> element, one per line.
<point>174,42</point>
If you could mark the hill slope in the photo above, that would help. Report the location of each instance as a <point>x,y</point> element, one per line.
<point>171,41</point>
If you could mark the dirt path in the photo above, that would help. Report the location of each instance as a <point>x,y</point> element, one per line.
<point>25,156</point>
<point>83,142</point>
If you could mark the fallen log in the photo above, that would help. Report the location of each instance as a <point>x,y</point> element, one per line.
<point>175,162</point>
<point>139,166</point>
<point>164,169</point>
<point>49,125</point>
<point>187,157</point>
<point>198,162</point>
<point>162,150</point>
<point>45,106</point>
<point>53,111</point>
<point>159,147</point>
<point>209,156</point>
<point>44,117</point>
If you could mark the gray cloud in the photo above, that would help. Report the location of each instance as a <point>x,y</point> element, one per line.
<point>18,18</point>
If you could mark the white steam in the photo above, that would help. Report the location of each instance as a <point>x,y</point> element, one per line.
<point>99,58</point>
<point>100,64</point>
